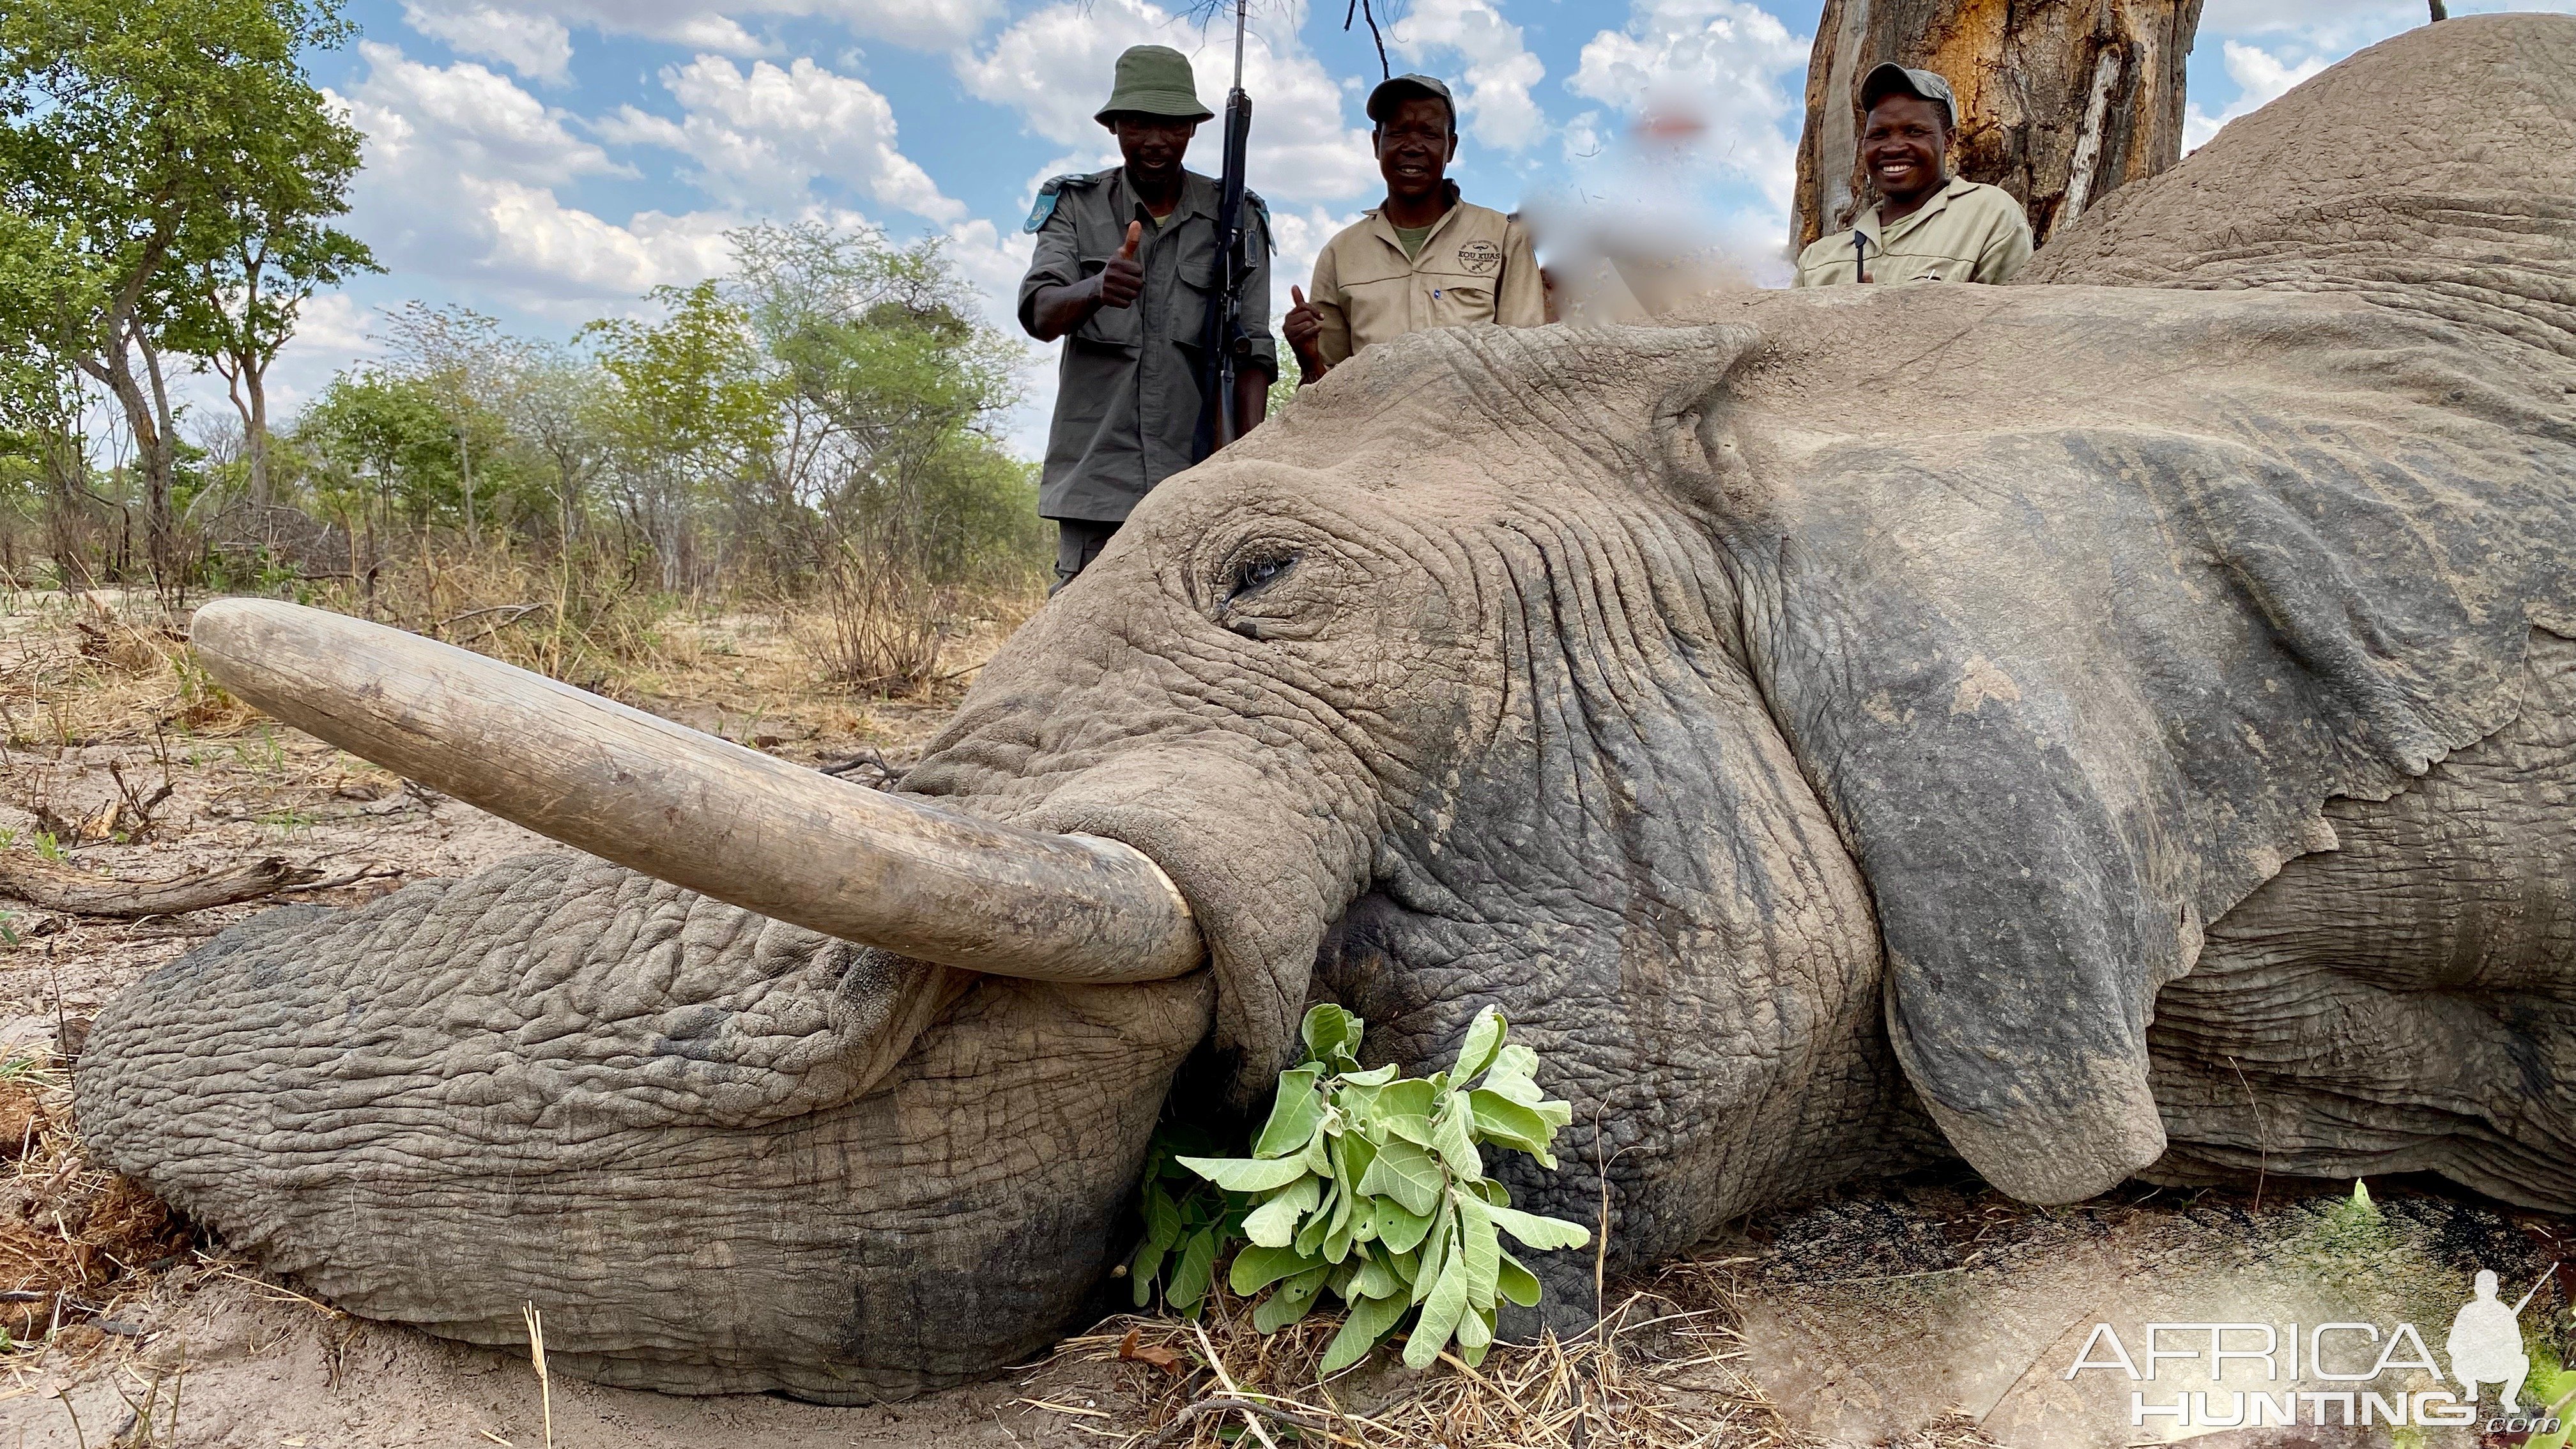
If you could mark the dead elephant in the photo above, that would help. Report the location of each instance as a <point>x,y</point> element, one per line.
<point>2119,725</point>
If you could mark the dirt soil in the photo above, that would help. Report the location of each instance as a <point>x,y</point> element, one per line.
<point>1923,1312</point>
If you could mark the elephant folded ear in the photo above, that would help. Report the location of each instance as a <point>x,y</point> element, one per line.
<point>1968,706</point>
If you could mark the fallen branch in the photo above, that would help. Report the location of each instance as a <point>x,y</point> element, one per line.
<point>74,893</point>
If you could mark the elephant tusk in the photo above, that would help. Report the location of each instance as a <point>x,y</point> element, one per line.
<point>685,807</point>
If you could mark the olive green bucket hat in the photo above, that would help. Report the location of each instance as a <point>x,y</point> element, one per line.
<point>1154,80</point>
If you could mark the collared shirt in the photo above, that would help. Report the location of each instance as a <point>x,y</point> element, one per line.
<point>1475,266</point>
<point>1127,393</point>
<point>1971,232</point>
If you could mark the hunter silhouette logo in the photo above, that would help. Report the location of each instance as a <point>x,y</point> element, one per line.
<point>2357,1368</point>
<point>2485,1346</point>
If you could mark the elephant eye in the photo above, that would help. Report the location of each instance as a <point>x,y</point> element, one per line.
<point>1258,572</point>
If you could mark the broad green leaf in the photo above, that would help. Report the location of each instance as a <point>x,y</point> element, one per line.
<point>1441,1310</point>
<point>1141,1270</point>
<point>1318,1155</point>
<point>1475,1330</point>
<point>1403,1109</point>
<point>1190,1280</point>
<point>1274,1223</point>
<point>1346,1274</point>
<point>1436,1251</point>
<point>1506,1122</point>
<point>1294,1115</point>
<point>1484,1039</point>
<point>1310,1238</point>
<point>1515,1075</point>
<point>1538,1232</point>
<point>1373,1077</point>
<point>1331,1034</point>
<point>1162,1215</point>
<point>1369,1320</point>
<point>1480,1248</point>
<point>1246,1174</point>
<point>1257,1267</point>
<point>1517,1283</point>
<point>1453,1136</point>
<point>1406,1173</point>
<point>1357,1153</point>
<point>1374,1278</point>
<point>1472,1356</point>
<point>1400,1231</point>
<point>1290,1301</point>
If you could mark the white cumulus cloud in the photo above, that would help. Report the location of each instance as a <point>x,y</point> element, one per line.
<point>537,47</point>
<point>459,187</point>
<point>1053,67</point>
<point>762,137</point>
<point>1496,110</point>
<point>2261,78</point>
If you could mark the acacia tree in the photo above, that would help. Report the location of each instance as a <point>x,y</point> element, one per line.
<point>131,137</point>
<point>2060,101</point>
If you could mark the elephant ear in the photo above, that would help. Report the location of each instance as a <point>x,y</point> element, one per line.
<point>2076,667</point>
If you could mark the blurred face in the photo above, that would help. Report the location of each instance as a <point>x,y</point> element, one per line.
<point>1905,145</point>
<point>1153,145</point>
<point>1415,147</point>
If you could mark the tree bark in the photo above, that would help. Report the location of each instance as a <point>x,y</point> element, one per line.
<point>2060,101</point>
<point>75,893</point>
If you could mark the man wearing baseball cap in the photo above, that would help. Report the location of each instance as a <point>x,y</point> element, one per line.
<point>1424,258</point>
<point>1928,226</point>
<point>1122,269</point>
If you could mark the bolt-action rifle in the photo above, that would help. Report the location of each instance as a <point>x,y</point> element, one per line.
<point>1222,343</point>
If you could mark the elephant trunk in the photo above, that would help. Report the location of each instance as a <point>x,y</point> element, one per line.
<point>699,812</point>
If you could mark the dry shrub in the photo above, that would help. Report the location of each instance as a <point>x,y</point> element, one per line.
<point>881,627</point>
<point>579,617</point>
<point>1656,1372</point>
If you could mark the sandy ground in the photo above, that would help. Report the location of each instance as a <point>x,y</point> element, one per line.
<point>1924,1312</point>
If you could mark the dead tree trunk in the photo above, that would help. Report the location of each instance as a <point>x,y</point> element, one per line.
<point>2060,101</point>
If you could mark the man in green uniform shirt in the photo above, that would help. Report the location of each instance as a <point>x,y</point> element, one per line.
<point>1928,226</point>
<point>1124,263</point>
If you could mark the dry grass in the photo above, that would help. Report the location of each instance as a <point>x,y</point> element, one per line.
<point>579,618</point>
<point>1662,1369</point>
<point>76,1240</point>
<point>80,668</point>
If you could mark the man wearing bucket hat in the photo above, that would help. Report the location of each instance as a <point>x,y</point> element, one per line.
<point>1423,259</point>
<point>1123,265</point>
<point>1928,225</point>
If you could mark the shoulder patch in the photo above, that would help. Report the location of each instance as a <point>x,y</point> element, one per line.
<point>1260,208</point>
<point>1055,187</point>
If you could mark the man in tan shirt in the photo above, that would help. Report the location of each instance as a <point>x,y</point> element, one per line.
<point>1423,259</point>
<point>1928,226</point>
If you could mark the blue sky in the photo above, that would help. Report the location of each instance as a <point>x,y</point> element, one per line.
<point>548,161</point>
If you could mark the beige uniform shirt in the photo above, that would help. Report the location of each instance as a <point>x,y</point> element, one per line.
<point>1475,266</point>
<point>1971,232</point>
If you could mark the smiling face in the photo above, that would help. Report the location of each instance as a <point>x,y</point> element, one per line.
<point>1152,146</point>
<point>1415,145</point>
<point>1905,146</point>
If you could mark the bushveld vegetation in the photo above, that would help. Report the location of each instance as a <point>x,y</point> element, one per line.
<point>814,431</point>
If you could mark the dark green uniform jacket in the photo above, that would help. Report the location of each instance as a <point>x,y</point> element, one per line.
<point>1127,395</point>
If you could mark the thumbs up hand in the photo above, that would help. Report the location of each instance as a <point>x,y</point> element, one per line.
<point>1301,327</point>
<point>1122,281</point>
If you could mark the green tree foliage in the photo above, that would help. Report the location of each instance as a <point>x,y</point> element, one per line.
<point>689,411</point>
<point>385,438</point>
<point>140,140</point>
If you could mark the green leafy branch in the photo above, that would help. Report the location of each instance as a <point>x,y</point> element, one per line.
<point>1373,1186</point>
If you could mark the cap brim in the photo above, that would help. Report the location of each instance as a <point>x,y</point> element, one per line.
<point>1388,93</point>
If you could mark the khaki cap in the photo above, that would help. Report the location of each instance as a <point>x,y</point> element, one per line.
<point>1154,80</point>
<point>1892,79</point>
<point>1391,92</point>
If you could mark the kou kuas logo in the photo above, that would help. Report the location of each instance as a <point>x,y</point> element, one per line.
<point>2484,1346</point>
